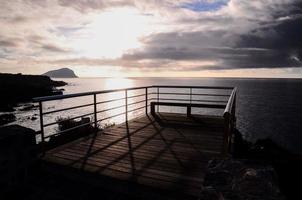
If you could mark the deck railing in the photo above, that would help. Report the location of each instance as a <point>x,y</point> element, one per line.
<point>165,93</point>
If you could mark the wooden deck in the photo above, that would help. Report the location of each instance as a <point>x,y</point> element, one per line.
<point>164,157</point>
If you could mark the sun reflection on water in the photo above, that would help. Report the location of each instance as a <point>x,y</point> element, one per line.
<point>117,83</point>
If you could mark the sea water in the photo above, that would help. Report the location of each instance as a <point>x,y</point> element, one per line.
<point>266,108</point>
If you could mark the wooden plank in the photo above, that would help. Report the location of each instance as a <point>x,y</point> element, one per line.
<point>145,152</point>
<point>166,157</point>
<point>139,170</point>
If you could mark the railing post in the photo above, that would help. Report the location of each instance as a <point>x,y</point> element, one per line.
<point>157,99</point>
<point>190,95</point>
<point>189,107</point>
<point>226,139</point>
<point>146,94</point>
<point>126,104</point>
<point>41,121</point>
<point>95,112</point>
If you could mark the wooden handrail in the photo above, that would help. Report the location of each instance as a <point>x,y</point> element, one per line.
<point>230,104</point>
<point>229,122</point>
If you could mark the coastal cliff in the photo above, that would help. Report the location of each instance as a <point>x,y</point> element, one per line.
<point>16,88</point>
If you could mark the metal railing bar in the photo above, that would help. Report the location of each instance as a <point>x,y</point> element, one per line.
<point>152,99</point>
<point>146,101</point>
<point>195,100</point>
<point>111,116</point>
<point>130,104</point>
<point>113,108</point>
<point>136,109</point>
<point>95,111</point>
<point>41,121</point>
<point>111,100</point>
<point>155,90</point>
<point>195,87</point>
<point>152,93</point>
<point>70,129</point>
<point>211,101</point>
<point>69,108</point>
<point>200,94</point>
<point>140,95</point>
<point>126,105</point>
<point>72,118</point>
<point>215,95</point>
<point>65,96</point>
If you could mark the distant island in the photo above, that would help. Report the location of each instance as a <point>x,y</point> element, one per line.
<point>61,73</point>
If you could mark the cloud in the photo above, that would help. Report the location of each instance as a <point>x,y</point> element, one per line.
<point>183,35</point>
<point>53,48</point>
<point>9,42</point>
<point>86,5</point>
<point>272,41</point>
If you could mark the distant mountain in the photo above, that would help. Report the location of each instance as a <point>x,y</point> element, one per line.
<point>61,73</point>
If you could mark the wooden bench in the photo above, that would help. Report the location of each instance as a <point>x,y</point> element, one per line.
<point>187,105</point>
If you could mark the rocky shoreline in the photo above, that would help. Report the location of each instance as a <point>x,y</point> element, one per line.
<point>17,88</point>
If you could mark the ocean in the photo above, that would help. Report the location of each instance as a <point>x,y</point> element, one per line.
<point>266,108</point>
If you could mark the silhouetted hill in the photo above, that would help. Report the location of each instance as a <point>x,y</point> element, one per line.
<point>61,73</point>
<point>17,88</point>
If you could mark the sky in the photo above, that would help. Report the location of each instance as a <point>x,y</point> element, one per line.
<point>178,38</point>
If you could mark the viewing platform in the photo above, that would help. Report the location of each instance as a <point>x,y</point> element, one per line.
<point>153,153</point>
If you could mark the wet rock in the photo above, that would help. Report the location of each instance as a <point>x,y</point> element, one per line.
<point>243,179</point>
<point>6,108</point>
<point>65,123</point>
<point>33,118</point>
<point>27,107</point>
<point>220,178</point>
<point>17,153</point>
<point>257,182</point>
<point>7,118</point>
<point>209,193</point>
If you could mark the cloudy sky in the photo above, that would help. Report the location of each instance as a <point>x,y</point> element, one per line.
<point>242,38</point>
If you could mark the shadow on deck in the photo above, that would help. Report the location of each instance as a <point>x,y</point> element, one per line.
<point>166,157</point>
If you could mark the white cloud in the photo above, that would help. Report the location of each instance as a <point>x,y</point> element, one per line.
<point>146,34</point>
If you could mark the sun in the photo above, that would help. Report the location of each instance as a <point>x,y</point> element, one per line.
<point>111,33</point>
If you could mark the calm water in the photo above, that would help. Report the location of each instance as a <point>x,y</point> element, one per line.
<point>266,108</point>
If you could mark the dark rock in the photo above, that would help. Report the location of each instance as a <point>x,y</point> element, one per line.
<point>17,152</point>
<point>242,179</point>
<point>257,182</point>
<point>7,118</point>
<point>209,193</point>
<point>287,165</point>
<point>65,124</point>
<point>33,118</point>
<point>22,88</point>
<point>27,107</point>
<point>220,178</point>
<point>6,108</point>
<point>70,130</point>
